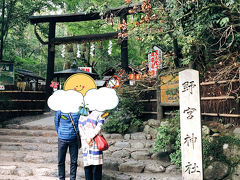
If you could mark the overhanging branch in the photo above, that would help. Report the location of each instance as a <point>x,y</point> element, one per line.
<point>38,36</point>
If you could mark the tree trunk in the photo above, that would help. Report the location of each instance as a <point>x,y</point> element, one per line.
<point>177,51</point>
<point>2,32</point>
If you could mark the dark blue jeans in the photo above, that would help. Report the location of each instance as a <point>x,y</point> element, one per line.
<point>62,151</point>
<point>93,172</point>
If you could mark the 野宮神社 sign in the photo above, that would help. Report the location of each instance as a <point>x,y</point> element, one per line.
<point>155,60</point>
<point>190,122</point>
<point>88,69</point>
<point>6,73</point>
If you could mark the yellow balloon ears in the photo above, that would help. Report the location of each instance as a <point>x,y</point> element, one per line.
<point>105,115</point>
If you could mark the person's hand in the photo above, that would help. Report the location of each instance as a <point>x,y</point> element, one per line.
<point>89,141</point>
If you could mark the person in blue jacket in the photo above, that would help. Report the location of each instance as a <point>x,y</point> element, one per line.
<point>67,138</point>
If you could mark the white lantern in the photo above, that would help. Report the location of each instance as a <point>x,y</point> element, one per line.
<point>92,50</point>
<point>63,51</point>
<point>110,48</point>
<point>78,51</point>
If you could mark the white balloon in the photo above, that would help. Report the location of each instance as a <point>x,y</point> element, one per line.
<point>65,101</point>
<point>101,99</point>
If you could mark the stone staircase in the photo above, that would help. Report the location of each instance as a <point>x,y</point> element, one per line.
<point>30,153</point>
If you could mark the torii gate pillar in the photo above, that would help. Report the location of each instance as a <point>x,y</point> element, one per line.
<point>124,47</point>
<point>51,57</point>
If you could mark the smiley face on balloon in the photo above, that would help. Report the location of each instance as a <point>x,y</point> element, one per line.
<point>80,83</point>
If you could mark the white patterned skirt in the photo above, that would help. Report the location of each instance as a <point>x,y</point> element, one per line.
<point>91,154</point>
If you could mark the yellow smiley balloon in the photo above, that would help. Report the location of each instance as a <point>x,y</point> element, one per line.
<point>80,82</point>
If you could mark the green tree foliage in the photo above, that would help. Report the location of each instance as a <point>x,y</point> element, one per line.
<point>126,116</point>
<point>213,150</point>
<point>19,42</point>
<point>17,13</point>
<point>169,139</point>
<point>205,33</point>
<point>21,45</point>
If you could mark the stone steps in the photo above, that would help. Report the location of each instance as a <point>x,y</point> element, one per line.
<point>26,132</point>
<point>20,146</point>
<point>32,151</point>
<point>116,175</point>
<point>13,177</point>
<point>28,139</point>
<point>30,156</point>
<point>32,171</point>
<point>24,169</point>
<point>32,127</point>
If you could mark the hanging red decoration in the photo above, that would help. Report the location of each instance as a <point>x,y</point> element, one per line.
<point>131,76</point>
<point>138,76</point>
<point>128,1</point>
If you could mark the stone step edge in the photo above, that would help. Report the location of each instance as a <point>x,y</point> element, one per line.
<point>110,174</point>
<point>28,139</point>
<point>18,147</point>
<point>39,163</point>
<point>31,152</point>
<point>51,169</point>
<point>80,176</point>
<point>30,127</point>
<point>21,134</point>
<point>117,136</point>
<point>39,133</point>
<point>33,166</point>
<point>25,132</point>
<point>37,154</point>
<point>80,165</point>
<point>112,165</point>
<point>31,170</point>
<point>25,143</point>
<point>106,175</point>
<point>27,164</point>
<point>52,141</point>
<point>15,177</point>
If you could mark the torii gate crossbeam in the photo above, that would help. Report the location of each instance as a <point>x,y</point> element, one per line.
<point>121,12</point>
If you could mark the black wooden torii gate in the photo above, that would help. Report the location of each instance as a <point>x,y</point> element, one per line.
<point>121,12</point>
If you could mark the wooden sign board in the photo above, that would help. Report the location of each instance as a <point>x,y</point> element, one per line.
<point>190,122</point>
<point>169,89</point>
<point>6,73</point>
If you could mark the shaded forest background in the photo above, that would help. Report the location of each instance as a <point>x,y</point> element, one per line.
<point>202,34</point>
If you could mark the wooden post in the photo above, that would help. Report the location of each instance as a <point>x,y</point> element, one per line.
<point>58,80</point>
<point>51,57</point>
<point>124,47</point>
<point>37,85</point>
<point>159,106</point>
